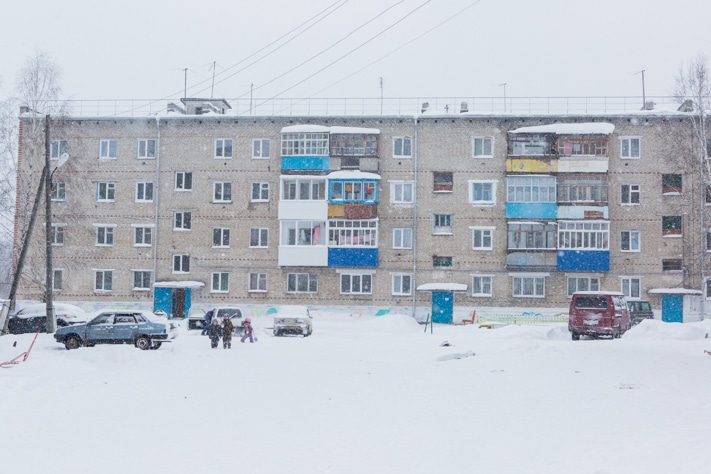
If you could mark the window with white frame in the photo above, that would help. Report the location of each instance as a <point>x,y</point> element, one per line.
<point>353,233</point>
<point>303,233</point>
<point>220,237</point>
<point>481,285</point>
<point>482,193</point>
<point>629,194</point>
<point>142,280</point>
<point>529,286</point>
<point>531,235</point>
<point>183,180</point>
<point>105,191</point>
<point>57,235</point>
<point>104,235</point>
<point>182,220</point>
<point>402,238</point>
<point>531,188</point>
<point>582,284</point>
<point>142,236</point>
<point>402,284</point>
<point>482,238</point>
<point>301,283</point>
<point>304,144</point>
<point>222,192</point>
<point>260,191</point>
<point>629,147</point>
<point>356,283</point>
<point>59,191</point>
<point>107,148</point>
<point>181,263</point>
<point>257,282</point>
<point>103,280</point>
<point>402,147</point>
<point>223,148</point>
<point>631,287</point>
<point>482,147</point>
<point>259,237</point>
<point>144,191</point>
<point>57,279</point>
<point>146,148</point>
<point>629,240</point>
<point>303,189</point>
<point>402,192</point>
<point>260,148</point>
<point>584,235</point>
<point>442,224</point>
<point>57,148</point>
<point>220,282</point>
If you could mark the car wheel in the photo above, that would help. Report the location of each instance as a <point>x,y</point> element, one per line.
<point>143,343</point>
<point>575,336</point>
<point>156,345</point>
<point>72,342</point>
<point>276,333</point>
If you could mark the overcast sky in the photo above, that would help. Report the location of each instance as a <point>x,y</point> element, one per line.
<point>437,48</point>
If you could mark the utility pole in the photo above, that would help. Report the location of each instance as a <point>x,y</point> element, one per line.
<point>185,84</point>
<point>644,97</point>
<point>212,91</point>
<point>49,275</point>
<point>504,84</point>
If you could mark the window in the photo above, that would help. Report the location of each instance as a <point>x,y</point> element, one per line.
<point>222,192</point>
<point>103,280</point>
<point>352,233</point>
<point>353,144</point>
<point>352,191</point>
<point>531,188</point>
<point>629,147</point>
<point>583,284</point>
<point>146,148</point>
<point>529,286</point>
<point>301,283</point>
<point>58,234</point>
<point>402,238</point>
<point>183,181</point>
<point>572,145</point>
<point>223,148</point>
<point>630,193</point>
<point>402,192</point>
<point>482,147</point>
<point>525,144</point>
<point>303,233</point>
<point>402,284</point>
<point>105,191</point>
<point>258,282</point>
<point>59,191</point>
<point>438,261</point>
<point>482,238</point>
<point>443,182</point>
<point>57,148</point>
<point>260,148</point>
<point>356,283</point>
<point>144,192</point>
<point>582,188</point>
<point>141,280</point>
<point>260,192</point>
<point>482,193</point>
<point>531,235</point>
<point>57,277</point>
<point>584,235</point>
<point>305,143</point>
<point>442,224</point>
<point>181,263</point>
<point>182,220</point>
<point>220,237</point>
<point>629,241</point>
<point>107,148</point>
<point>142,236</point>
<point>402,147</point>
<point>304,189</point>
<point>671,226</point>
<point>631,287</point>
<point>481,285</point>
<point>104,235</point>
<point>671,264</point>
<point>708,240</point>
<point>708,194</point>
<point>708,289</point>
<point>220,282</point>
<point>258,237</point>
<point>671,184</point>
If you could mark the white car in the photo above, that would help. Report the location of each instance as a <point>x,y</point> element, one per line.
<point>293,320</point>
<point>33,318</point>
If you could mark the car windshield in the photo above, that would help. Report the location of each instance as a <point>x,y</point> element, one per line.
<point>105,318</point>
<point>229,312</point>
<point>641,306</point>
<point>595,302</point>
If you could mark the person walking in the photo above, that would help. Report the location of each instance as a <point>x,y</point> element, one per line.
<point>227,328</point>
<point>214,332</point>
<point>206,324</point>
<point>247,330</point>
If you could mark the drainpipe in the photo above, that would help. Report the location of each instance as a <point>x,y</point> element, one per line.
<point>414,219</point>
<point>156,199</point>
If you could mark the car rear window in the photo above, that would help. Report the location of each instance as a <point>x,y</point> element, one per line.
<point>595,302</point>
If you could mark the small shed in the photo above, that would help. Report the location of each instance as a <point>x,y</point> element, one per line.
<point>173,297</point>
<point>680,305</point>
<point>442,300</point>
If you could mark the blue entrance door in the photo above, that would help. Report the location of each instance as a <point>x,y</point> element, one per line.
<point>672,308</point>
<point>442,307</point>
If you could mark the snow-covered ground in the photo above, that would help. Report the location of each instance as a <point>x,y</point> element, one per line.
<point>365,395</point>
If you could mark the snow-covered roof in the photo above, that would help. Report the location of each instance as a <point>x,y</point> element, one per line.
<point>442,287</point>
<point>674,291</point>
<point>305,129</point>
<point>309,128</point>
<point>352,174</point>
<point>354,130</point>
<point>590,128</point>
<point>178,284</point>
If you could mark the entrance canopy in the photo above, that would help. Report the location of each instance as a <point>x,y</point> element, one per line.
<point>178,284</point>
<point>442,287</point>
<point>674,291</point>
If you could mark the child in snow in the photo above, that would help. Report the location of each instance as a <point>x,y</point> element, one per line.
<point>227,328</point>
<point>214,332</point>
<point>206,324</point>
<point>247,330</point>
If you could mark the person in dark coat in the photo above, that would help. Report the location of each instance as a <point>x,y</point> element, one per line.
<point>247,330</point>
<point>227,328</point>
<point>214,331</point>
<point>206,324</point>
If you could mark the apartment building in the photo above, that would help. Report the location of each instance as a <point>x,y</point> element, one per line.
<point>360,210</point>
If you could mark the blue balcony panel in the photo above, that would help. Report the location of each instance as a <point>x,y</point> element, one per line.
<point>311,163</point>
<point>531,210</point>
<point>584,260</point>
<point>352,257</point>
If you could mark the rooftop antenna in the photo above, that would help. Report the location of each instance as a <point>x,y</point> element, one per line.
<point>185,90</point>
<point>212,90</point>
<point>504,85</point>
<point>644,97</point>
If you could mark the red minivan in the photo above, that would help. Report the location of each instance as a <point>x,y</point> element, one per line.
<point>598,313</point>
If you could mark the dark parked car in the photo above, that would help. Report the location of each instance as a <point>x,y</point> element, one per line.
<point>143,329</point>
<point>639,311</point>
<point>33,318</point>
